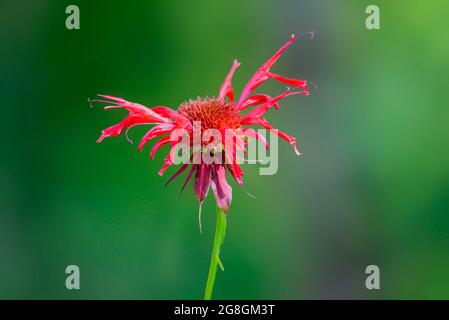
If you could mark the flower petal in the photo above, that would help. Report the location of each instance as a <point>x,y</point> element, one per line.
<point>260,111</point>
<point>265,124</point>
<point>181,170</point>
<point>300,84</point>
<point>221,188</point>
<point>117,129</point>
<point>189,175</point>
<point>155,132</point>
<point>263,74</point>
<point>250,132</point>
<point>256,100</point>
<point>231,156</point>
<point>168,161</point>
<point>137,114</point>
<point>161,142</point>
<point>202,182</point>
<point>136,109</point>
<point>178,118</point>
<point>226,89</point>
<point>237,172</point>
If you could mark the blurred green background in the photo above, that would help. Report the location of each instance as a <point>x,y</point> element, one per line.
<point>372,186</point>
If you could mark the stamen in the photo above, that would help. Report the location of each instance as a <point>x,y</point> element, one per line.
<point>126,134</point>
<point>199,219</point>
<point>249,194</point>
<point>315,87</point>
<point>211,112</point>
<point>132,126</point>
<point>91,101</point>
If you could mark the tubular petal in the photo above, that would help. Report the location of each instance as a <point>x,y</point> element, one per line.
<point>137,114</point>
<point>155,132</point>
<point>261,75</point>
<point>136,109</point>
<point>231,154</point>
<point>265,124</point>
<point>231,171</point>
<point>189,175</point>
<point>256,100</point>
<point>117,129</point>
<point>226,89</point>
<point>260,111</point>
<point>240,144</point>
<point>161,142</point>
<point>181,170</point>
<point>167,163</point>
<point>250,132</point>
<point>300,84</point>
<point>238,173</point>
<point>179,119</point>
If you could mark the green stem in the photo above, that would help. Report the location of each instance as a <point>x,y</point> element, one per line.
<point>220,232</point>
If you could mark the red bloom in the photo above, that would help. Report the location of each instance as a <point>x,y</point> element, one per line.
<point>220,113</point>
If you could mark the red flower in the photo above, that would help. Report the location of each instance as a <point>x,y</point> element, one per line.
<point>220,113</point>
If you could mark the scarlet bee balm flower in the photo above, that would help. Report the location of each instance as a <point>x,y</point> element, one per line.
<point>221,113</point>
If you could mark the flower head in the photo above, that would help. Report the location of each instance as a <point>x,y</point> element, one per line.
<point>223,113</point>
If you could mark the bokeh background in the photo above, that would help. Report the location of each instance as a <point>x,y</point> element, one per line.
<point>372,185</point>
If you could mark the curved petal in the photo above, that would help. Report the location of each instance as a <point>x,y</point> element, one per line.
<point>231,157</point>
<point>189,175</point>
<point>250,132</point>
<point>155,132</point>
<point>178,118</point>
<point>256,100</point>
<point>265,124</point>
<point>136,109</point>
<point>137,114</point>
<point>260,111</point>
<point>161,142</point>
<point>181,170</point>
<point>236,172</point>
<point>167,163</point>
<point>117,129</point>
<point>263,74</point>
<point>300,84</point>
<point>226,89</point>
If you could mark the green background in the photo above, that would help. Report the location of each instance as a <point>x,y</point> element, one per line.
<point>372,186</point>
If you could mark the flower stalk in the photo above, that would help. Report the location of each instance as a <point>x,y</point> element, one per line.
<point>220,232</point>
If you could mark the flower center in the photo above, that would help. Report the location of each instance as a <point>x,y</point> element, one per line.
<point>212,113</point>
